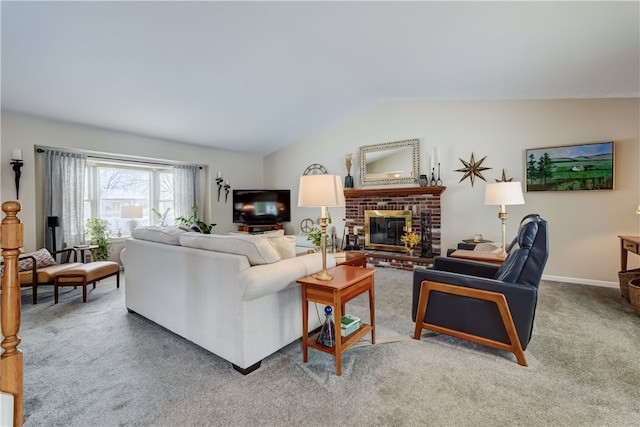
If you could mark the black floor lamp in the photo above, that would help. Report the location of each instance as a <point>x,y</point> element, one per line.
<point>53,222</point>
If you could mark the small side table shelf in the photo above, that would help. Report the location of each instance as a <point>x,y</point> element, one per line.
<point>628,244</point>
<point>348,282</point>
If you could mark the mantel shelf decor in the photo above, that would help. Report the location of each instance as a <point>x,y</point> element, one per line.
<point>393,191</point>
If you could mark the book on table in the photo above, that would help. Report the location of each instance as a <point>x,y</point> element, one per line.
<point>349,324</point>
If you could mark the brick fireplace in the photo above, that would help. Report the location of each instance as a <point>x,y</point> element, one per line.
<point>414,199</point>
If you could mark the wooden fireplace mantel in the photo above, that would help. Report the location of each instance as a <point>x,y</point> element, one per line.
<point>392,191</point>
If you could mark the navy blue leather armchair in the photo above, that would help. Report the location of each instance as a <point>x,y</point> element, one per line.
<point>485,303</point>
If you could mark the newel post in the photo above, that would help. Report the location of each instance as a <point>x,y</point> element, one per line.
<point>11,373</point>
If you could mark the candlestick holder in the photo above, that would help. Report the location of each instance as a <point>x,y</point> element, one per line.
<point>226,192</point>
<point>433,177</point>
<point>219,182</point>
<point>438,181</point>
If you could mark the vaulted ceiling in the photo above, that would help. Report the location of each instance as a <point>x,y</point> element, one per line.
<point>257,76</point>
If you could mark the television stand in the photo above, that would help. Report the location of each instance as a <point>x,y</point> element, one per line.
<point>259,228</point>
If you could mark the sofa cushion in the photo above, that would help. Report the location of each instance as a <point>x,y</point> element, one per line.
<point>302,240</point>
<point>168,235</point>
<point>256,248</point>
<point>285,245</point>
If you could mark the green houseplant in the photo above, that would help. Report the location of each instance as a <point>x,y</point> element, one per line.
<point>98,229</point>
<point>194,221</point>
<point>315,237</point>
<point>162,217</point>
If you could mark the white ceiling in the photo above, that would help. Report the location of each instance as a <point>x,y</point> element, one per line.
<point>257,76</point>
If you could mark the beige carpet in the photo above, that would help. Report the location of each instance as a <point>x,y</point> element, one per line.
<point>95,364</point>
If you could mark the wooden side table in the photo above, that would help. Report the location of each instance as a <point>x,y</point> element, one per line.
<point>628,244</point>
<point>478,256</point>
<point>356,259</point>
<point>348,282</point>
<point>82,248</point>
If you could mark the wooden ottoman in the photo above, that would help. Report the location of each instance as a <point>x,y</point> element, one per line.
<point>84,275</point>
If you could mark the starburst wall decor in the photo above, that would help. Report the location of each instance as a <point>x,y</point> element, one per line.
<point>472,169</point>
<point>504,178</point>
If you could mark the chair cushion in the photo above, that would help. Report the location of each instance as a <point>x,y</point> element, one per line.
<point>512,269</point>
<point>48,274</point>
<point>88,273</point>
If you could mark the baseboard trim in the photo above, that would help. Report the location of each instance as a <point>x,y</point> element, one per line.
<point>579,281</point>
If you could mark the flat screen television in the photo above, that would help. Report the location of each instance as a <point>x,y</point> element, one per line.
<point>258,207</point>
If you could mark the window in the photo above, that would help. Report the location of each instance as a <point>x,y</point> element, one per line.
<point>111,186</point>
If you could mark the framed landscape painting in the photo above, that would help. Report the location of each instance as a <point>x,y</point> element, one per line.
<point>570,167</point>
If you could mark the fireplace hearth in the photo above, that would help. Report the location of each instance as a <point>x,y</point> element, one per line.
<point>424,205</point>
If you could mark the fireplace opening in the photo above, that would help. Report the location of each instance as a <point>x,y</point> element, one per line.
<point>383,229</point>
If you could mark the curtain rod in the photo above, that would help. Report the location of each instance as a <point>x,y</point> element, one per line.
<point>93,156</point>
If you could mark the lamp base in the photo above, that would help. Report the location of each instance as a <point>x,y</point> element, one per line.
<point>323,275</point>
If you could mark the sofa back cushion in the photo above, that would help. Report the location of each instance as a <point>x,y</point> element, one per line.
<point>257,249</point>
<point>285,245</point>
<point>167,235</point>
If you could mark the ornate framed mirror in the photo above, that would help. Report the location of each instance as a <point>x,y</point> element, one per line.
<point>390,163</point>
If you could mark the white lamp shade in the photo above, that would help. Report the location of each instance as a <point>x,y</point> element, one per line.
<point>130,211</point>
<point>504,193</point>
<point>320,190</point>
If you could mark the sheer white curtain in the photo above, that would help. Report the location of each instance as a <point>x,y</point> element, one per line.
<point>63,196</point>
<point>186,188</point>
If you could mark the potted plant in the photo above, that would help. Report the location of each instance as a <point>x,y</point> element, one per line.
<point>193,221</point>
<point>315,237</point>
<point>98,229</point>
<point>410,240</point>
<point>162,217</point>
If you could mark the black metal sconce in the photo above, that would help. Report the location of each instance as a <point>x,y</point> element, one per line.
<point>226,191</point>
<point>219,181</point>
<point>17,164</point>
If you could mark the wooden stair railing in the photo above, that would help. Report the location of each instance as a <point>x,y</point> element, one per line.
<point>11,375</point>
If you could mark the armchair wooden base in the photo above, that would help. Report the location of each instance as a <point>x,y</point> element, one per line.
<point>499,299</point>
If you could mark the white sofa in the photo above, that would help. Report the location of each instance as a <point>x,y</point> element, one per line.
<point>234,295</point>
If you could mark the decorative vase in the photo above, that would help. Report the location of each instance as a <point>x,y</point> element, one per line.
<point>348,181</point>
<point>327,334</point>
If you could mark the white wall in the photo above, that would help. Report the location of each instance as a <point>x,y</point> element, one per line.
<point>20,131</point>
<point>584,225</point>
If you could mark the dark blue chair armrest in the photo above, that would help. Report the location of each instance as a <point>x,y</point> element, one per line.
<point>467,246</point>
<point>465,266</point>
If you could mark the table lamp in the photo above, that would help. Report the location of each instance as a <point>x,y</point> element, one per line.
<point>503,193</point>
<point>321,191</point>
<point>131,212</point>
